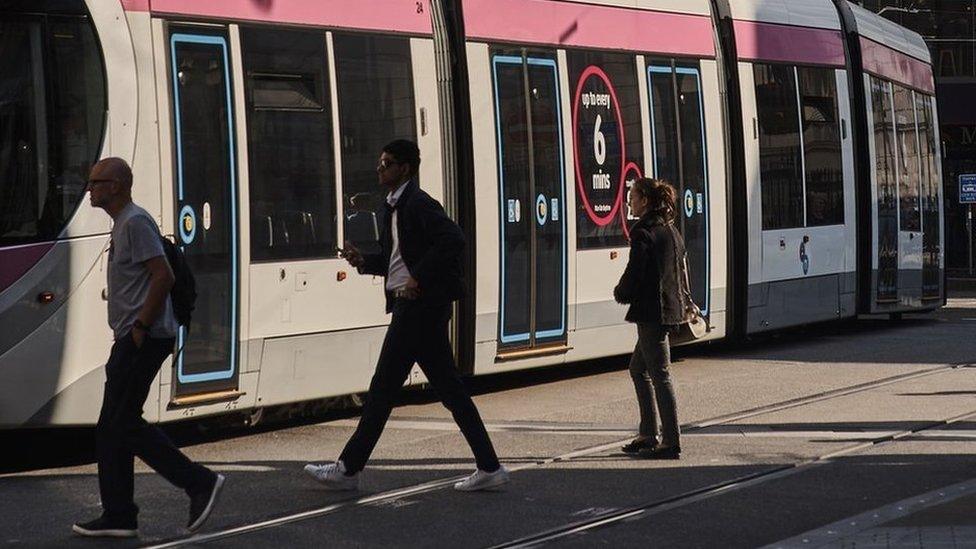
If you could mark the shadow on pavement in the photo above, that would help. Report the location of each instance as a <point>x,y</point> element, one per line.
<point>38,510</point>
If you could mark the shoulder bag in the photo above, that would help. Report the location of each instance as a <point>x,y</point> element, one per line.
<point>695,325</point>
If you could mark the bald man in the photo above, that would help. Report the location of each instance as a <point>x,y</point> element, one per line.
<point>144,327</point>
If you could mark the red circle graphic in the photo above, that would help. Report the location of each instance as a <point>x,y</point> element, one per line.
<point>630,167</point>
<point>593,70</point>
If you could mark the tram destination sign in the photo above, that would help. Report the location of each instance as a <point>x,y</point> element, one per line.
<point>967,189</point>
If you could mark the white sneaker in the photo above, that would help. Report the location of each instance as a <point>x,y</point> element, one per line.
<point>333,476</point>
<point>481,480</point>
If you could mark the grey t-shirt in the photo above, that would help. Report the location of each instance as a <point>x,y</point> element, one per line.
<point>135,240</point>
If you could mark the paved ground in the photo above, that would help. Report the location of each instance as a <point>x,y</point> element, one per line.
<point>857,434</point>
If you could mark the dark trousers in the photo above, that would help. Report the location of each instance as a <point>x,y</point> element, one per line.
<point>652,380</point>
<point>122,433</point>
<point>417,333</point>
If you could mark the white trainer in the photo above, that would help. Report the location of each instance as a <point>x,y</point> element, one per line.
<point>333,476</point>
<point>481,480</point>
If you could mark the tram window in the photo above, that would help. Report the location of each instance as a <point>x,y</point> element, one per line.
<point>376,106</point>
<point>779,147</point>
<point>693,209</point>
<point>884,144</point>
<point>292,170</point>
<point>52,113</point>
<point>600,153</point>
<point>887,209</point>
<point>664,122</point>
<point>931,220</point>
<point>909,218</point>
<point>929,154</point>
<point>821,147</point>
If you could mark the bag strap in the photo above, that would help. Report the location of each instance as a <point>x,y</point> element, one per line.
<point>686,290</point>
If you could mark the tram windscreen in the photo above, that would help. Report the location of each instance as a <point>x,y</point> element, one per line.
<point>52,116</point>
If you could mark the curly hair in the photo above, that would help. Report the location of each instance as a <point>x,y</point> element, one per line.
<point>660,195</point>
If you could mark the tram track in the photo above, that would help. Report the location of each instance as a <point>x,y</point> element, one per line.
<point>617,515</point>
<point>655,507</point>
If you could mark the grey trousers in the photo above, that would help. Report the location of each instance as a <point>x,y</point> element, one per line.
<point>652,380</point>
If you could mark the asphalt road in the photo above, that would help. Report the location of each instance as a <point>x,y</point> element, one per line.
<point>783,436</point>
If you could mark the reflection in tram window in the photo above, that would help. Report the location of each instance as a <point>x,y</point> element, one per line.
<point>781,167</point>
<point>52,112</point>
<point>664,123</point>
<point>801,168</point>
<point>603,192</point>
<point>821,147</point>
<point>885,166</point>
<point>376,106</point>
<point>292,172</point>
<point>931,226</point>
<point>908,162</point>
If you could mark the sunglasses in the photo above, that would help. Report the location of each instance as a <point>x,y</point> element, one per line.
<point>385,164</point>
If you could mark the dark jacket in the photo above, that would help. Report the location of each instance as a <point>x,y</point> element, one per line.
<point>430,244</point>
<point>652,282</point>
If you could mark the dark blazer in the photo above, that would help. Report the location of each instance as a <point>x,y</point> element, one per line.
<point>652,283</point>
<point>430,244</point>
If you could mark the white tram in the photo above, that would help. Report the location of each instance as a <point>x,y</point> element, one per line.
<point>802,137</point>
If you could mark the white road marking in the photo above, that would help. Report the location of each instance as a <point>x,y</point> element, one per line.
<point>834,533</point>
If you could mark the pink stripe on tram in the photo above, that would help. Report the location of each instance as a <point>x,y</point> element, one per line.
<point>894,65</point>
<point>383,15</point>
<point>135,5</point>
<point>787,44</point>
<point>16,261</point>
<point>571,24</point>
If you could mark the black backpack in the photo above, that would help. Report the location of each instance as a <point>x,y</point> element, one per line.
<point>184,291</point>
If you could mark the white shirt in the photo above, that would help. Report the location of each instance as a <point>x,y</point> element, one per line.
<point>397,275</point>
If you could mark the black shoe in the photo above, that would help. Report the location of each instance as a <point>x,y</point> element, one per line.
<point>661,452</point>
<point>636,445</point>
<point>202,503</point>
<point>103,527</point>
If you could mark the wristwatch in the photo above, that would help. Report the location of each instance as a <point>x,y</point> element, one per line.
<point>139,325</point>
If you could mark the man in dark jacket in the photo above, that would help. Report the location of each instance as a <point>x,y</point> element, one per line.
<point>420,259</point>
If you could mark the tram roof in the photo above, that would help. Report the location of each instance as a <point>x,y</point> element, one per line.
<point>820,14</point>
<point>884,31</point>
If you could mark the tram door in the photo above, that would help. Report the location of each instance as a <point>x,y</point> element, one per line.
<point>678,142</point>
<point>904,159</point>
<point>206,209</point>
<point>932,280</point>
<point>528,117</point>
<point>909,196</point>
<point>885,194</point>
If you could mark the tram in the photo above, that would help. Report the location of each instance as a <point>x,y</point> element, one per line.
<point>802,137</point>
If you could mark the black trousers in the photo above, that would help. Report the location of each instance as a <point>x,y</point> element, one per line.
<point>122,433</point>
<point>652,381</point>
<point>417,333</point>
